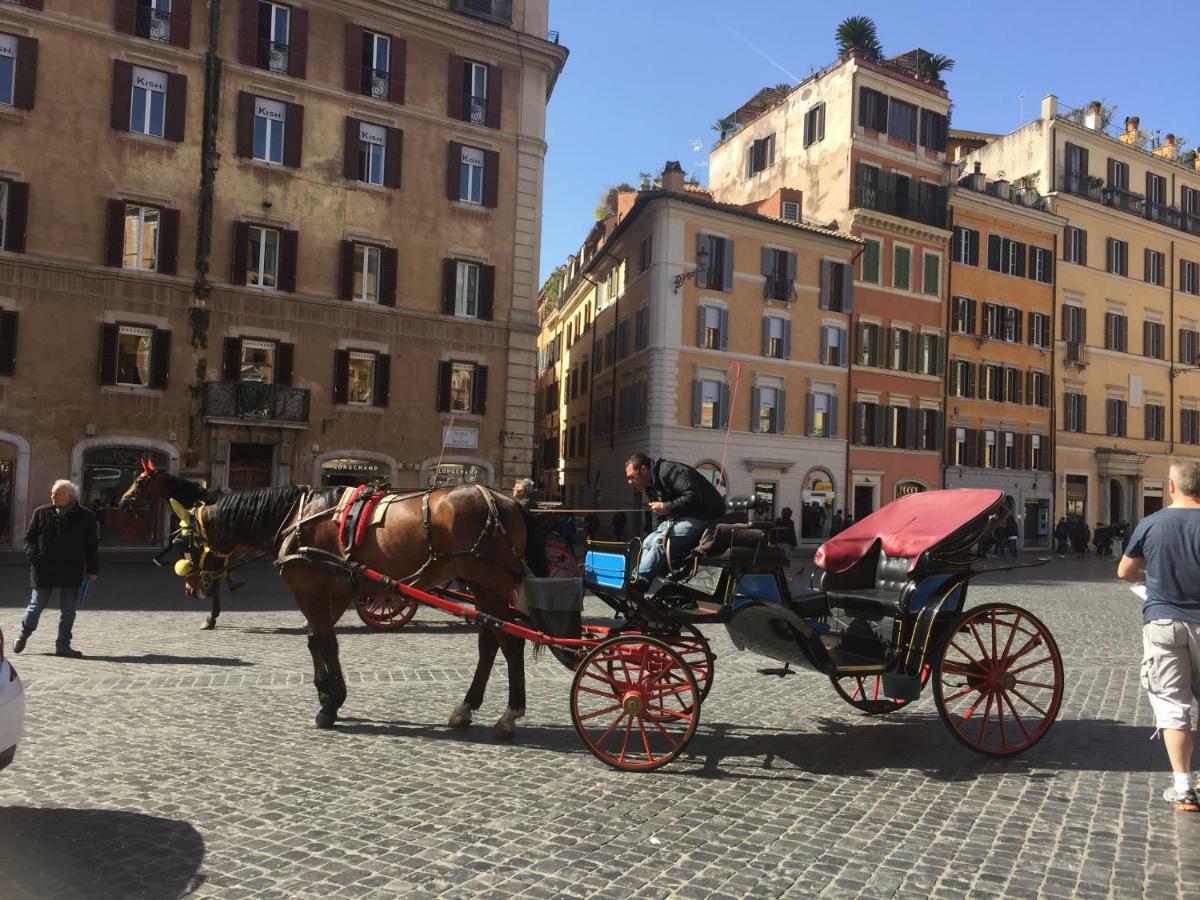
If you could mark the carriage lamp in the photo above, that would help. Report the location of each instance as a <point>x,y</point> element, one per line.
<point>701,266</point>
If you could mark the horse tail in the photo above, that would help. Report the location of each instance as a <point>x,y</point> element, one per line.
<point>535,543</point>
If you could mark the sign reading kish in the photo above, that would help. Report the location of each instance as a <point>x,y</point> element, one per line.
<point>149,79</point>
<point>269,109</point>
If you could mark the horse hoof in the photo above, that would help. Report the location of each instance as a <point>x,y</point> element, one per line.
<point>209,624</point>
<point>325,720</point>
<point>461,717</point>
<point>506,725</point>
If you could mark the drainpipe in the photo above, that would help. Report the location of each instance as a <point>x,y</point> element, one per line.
<point>946,352</point>
<point>1052,438</point>
<point>198,311</point>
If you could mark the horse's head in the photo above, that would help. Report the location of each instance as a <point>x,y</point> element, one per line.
<point>200,567</point>
<point>144,489</point>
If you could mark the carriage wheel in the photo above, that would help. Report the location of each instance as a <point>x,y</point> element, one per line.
<point>693,648</point>
<point>998,682</point>
<point>634,702</point>
<point>387,613</point>
<point>865,692</point>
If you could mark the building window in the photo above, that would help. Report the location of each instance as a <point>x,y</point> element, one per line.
<point>372,153</point>
<point>790,211</point>
<point>148,103</point>
<point>376,65</point>
<point>1012,324</point>
<point>966,246</point>
<point>1189,426</point>
<point>868,424</point>
<point>960,448</point>
<point>1040,264</point>
<point>361,378</point>
<point>1116,414</point>
<point>274,25</point>
<point>1012,385</point>
<point>767,414</point>
<point>993,320</point>
<point>992,386</point>
<point>902,267</point>
<point>872,254</point>
<point>1118,257</point>
<point>1038,389</point>
<point>1075,246</point>
<point>929,354</point>
<point>989,460</point>
<point>897,425</point>
<point>269,119</point>
<point>931,272</point>
<point>833,343</point>
<point>470,175</point>
<point>462,376</point>
<point>1155,421</point>
<point>870,344</point>
<point>645,253</point>
<point>1009,455</point>
<point>814,125</point>
<point>962,378</point>
<point>902,121</point>
<point>900,349</point>
<point>1037,456</point>
<point>1154,267</point>
<point>3,213</point>
<point>1116,332</point>
<point>367,260</point>
<point>710,404</point>
<point>820,419</point>
<point>760,155</point>
<point>1118,175</point>
<point>641,331</point>
<point>257,361</point>
<point>141,238</point>
<point>964,315</point>
<point>262,259</point>
<point>1189,283</point>
<point>712,273</point>
<point>779,269</point>
<point>1188,341</point>
<point>466,289</point>
<point>1074,331</point>
<point>1039,329</point>
<point>775,337</point>
<point>710,328</point>
<point>8,68</point>
<point>1074,412</point>
<point>133,355</point>
<point>475,81</point>
<point>1154,340</point>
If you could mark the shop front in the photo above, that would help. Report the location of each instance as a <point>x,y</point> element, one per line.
<point>817,498</point>
<point>8,493</point>
<point>350,471</point>
<point>107,474</point>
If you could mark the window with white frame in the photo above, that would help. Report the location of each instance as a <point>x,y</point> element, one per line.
<point>470,175</point>
<point>476,84</point>
<point>134,346</point>
<point>960,378</point>
<point>871,256</point>
<point>262,258</point>
<point>711,336</point>
<point>258,361</point>
<point>931,275</point>
<point>1189,277</point>
<point>372,152</point>
<point>360,384</point>
<point>141,238</point>
<point>1009,458</point>
<point>1154,267</point>
<point>376,65</point>
<point>274,27</point>
<point>960,448</point>
<point>835,338</point>
<point>1039,329</point>
<point>929,353</point>
<point>1040,264</point>
<point>902,267</point>
<point>767,413</point>
<point>791,211</point>
<point>989,449</point>
<point>466,289</point>
<point>148,103</point>
<point>775,340</point>
<point>822,404</point>
<point>1036,455</point>
<point>710,404</point>
<point>367,261</point>
<point>1075,246</point>
<point>462,376</point>
<point>269,119</point>
<point>8,68</point>
<point>154,20</point>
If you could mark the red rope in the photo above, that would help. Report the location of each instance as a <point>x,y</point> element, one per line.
<point>735,369</point>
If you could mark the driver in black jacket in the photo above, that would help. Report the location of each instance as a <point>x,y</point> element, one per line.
<point>685,503</point>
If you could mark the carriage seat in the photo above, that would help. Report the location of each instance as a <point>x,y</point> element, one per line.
<point>743,546</point>
<point>889,594</point>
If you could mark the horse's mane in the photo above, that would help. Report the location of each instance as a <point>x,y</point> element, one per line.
<point>249,518</point>
<point>186,492</point>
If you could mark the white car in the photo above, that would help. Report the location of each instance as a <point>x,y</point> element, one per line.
<point>12,708</point>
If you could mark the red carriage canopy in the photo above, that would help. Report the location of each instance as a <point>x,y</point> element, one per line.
<point>907,527</point>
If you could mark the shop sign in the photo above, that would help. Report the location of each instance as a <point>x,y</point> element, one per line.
<point>462,438</point>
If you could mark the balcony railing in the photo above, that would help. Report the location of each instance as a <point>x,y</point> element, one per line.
<point>1119,198</point>
<point>376,83</point>
<point>1164,214</point>
<point>1082,185</point>
<point>475,110</point>
<point>778,289</point>
<point>900,204</point>
<point>498,11</point>
<point>273,56</point>
<point>255,402</point>
<point>1076,354</point>
<point>154,24</point>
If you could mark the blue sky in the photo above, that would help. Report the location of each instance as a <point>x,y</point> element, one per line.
<point>647,78</point>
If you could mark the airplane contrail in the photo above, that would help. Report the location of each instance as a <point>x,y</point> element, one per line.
<point>749,43</point>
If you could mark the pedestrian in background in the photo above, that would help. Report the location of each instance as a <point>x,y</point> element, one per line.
<point>785,531</point>
<point>1164,552</point>
<point>837,524</point>
<point>522,492</point>
<point>61,547</point>
<point>1062,537</point>
<point>618,526</point>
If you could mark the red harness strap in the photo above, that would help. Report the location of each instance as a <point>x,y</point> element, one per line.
<point>356,516</point>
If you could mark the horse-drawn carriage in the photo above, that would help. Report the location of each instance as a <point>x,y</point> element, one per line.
<point>886,613</point>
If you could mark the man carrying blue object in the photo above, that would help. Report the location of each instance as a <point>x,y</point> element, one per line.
<point>1164,551</point>
<point>685,503</point>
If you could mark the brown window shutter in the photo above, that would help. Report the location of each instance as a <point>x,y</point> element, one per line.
<point>25,81</point>
<point>18,216</point>
<point>487,292</point>
<point>160,359</point>
<point>491,178</point>
<point>494,86</point>
<point>241,240</point>
<point>122,94</point>
<point>8,342</point>
<point>388,268</point>
<point>396,75</point>
<point>231,367</point>
<point>114,234</point>
<point>383,380</point>
<point>285,363</point>
<point>346,272</point>
<point>443,387</point>
<point>1112,172</point>
<point>181,23</point>
<point>298,43</point>
<point>455,108</point>
<point>123,21</point>
<point>245,125</point>
<point>354,71</point>
<point>453,164</point>
<point>479,391</point>
<point>350,166</point>
<point>394,158</point>
<point>108,354</point>
<point>248,34</point>
<point>293,135</point>
<point>176,114</point>
<point>32,4</point>
<point>341,376</point>
<point>449,280</point>
<point>168,241</point>
<point>289,242</point>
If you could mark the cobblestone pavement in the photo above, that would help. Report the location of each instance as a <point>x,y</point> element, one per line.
<point>175,761</point>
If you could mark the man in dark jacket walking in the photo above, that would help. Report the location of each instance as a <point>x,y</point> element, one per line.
<point>60,545</point>
<point>685,503</point>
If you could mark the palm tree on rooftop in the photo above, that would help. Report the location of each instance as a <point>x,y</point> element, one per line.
<point>931,66</point>
<point>858,33</point>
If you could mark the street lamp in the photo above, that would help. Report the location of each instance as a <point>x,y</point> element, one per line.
<point>701,266</point>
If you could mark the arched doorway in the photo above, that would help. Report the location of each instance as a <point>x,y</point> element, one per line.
<point>107,474</point>
<point>8,491</point>
<point>1116,503</point>
<point>905,488</point>
<point>817,496</point>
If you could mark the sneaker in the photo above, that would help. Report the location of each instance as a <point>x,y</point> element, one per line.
<point>1188,802</point>
<point>20,644</point>
<point>69,653</point>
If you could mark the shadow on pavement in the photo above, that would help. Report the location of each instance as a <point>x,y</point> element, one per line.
<point>96,854</point>
<point>410,628</point>
<point>163,659</point>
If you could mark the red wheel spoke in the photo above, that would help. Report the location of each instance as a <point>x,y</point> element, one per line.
<point>600,712</point>
<point>608,695</point>
<point>967,690</point>
<point>972,660</point>
<point>603,678</point>
<point>1000,721</point>
<point>875,692</point>
<point>646,742</point>
<point>1034,642</point>
<point>611,728</point>
<point>992,622</point>
<point>860,688</point>
<point>1036,684</point>
<point>983,723</point>
<point>673,713</point>
<point>1011,636</point>
<point>1030,665</point>
<point>1029,702</point>
<point>982,649</point>
<point>625,740</point>
<point>1005,699</point>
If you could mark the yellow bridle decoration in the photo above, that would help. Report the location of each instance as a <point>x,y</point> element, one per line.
<point>185,567</point>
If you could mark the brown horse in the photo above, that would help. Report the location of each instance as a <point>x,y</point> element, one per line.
<point>468,533</point>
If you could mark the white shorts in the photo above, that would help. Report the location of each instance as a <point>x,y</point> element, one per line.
<point>1171,670</point>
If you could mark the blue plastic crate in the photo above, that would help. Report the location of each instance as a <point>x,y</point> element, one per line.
<point>607,569</point>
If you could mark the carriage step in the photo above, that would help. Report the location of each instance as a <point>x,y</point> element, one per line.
<point>846,661</point>
<point>881,599</point>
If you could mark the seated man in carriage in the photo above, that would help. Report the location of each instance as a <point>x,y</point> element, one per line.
<point>685,502</point>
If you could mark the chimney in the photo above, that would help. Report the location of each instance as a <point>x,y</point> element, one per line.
<point>1095,116</point>
<point>1131,134</point>
<point>1049,106</point>
<point>978,179</point>
<point>672,177</point>
<point>1168,150</point>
